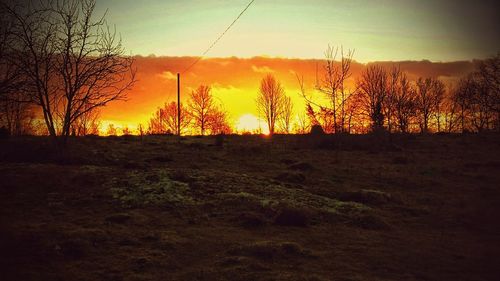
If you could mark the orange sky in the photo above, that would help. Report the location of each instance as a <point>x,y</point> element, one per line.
<point>235,83</point>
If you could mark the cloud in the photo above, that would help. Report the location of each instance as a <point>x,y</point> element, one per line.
<point>217,87</point>
<point>237,83</point>
<point>167,75</point>
<point>262,69</point>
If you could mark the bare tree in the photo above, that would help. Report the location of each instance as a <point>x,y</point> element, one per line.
<point>16,115</point>
<point>169,117</point>
<point>285,122</point>
<point>373,89</point>
<point>155,124</point>
<point>334,85</point>
<point>302,126</point>
<point>429,95</point>
<point>486,98</point>
<point>72,62</point>
<point>164,120</point>
<point>391,96</point>
<point>87,123</point>
<point>270,101</point>
<point>201,106</point>
<point>461,97</point>
<point>9,73</point>
<point>140,130</point>
<point>404,103</point>
<point>450,113</point>
<point>218,122</point>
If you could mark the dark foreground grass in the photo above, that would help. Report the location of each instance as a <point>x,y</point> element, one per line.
<point>251,208</point>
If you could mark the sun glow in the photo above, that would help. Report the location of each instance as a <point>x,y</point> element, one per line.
<point>249,123</point>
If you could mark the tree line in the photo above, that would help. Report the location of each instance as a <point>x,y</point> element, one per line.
<point>60,63</point>
<point>202,115</point>
<point>385,99</point>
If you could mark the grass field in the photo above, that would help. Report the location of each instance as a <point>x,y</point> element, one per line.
<point>253,208</point>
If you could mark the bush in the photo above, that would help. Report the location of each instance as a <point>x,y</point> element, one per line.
<point>317,130</point>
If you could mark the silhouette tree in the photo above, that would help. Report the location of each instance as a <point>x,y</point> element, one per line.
<point>403,102</point>
<point>16,115</point>
<point>302,126</point>
<point>461,97</point>
<point>285,122</point>
<point>87,123</point>
<point>451,110</point>
<point>486,95</point>
<point>164,120</point>
<point>390,99</point>
<point>71,63</point>
<point>373,90</point>
<point>201,106</point>
<point>270,101</point>
<point>217,122</point>
<point>429,95</point>
<point>333,85</point>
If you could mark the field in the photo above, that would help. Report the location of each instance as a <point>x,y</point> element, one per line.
<point>251,208</point>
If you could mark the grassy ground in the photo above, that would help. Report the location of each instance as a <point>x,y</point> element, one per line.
<point>290,208</point>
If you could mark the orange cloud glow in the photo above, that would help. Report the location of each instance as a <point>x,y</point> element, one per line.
<point>235,83</point>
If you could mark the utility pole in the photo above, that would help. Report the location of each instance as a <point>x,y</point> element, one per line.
<point>178,104</point>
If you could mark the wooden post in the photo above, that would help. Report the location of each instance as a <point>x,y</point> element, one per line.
<point>178,104</point>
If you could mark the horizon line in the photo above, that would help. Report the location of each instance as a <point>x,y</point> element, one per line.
<point>305,59</point>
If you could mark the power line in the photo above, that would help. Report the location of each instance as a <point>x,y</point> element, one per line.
<point>218,38</point>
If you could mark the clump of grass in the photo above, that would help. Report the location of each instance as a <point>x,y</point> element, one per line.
<point>137,189</point>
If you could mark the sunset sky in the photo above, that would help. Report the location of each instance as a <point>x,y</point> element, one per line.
<point>441,30</point>
<point>285,35</point>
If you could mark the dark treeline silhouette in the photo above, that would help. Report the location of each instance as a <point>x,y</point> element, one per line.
<point>384,99</point>
<point>59,62</point>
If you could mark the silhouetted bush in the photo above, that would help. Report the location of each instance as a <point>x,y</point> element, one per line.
<point>317,130</point>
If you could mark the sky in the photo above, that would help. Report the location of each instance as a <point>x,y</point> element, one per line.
<point>378,30</point>
<point>235,83</point>
<point>286,38</point>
